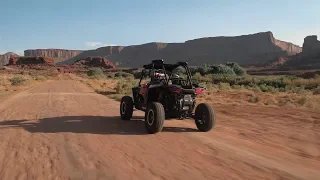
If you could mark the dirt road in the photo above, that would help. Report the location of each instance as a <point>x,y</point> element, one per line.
<point>63,130</point>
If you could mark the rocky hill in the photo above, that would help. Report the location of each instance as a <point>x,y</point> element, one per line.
<point>4,59</point>
<point>57,54</point>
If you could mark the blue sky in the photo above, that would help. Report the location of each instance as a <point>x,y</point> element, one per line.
<point>88,24</point>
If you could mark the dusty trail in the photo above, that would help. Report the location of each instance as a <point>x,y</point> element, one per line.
<point>63,130</point>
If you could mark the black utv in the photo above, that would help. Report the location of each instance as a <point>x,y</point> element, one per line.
<point>166,91</point>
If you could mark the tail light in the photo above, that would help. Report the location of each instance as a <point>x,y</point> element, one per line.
<point>175,90</point>
<point>199,90</point>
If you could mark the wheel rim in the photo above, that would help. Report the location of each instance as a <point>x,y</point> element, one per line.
<point>150,117</point>
<point>123,108</point>
<point>203,119</point>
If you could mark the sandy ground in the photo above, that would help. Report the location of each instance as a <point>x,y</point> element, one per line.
<point>63,130</point>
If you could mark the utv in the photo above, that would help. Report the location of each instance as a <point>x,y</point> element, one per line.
<point>166,91</point>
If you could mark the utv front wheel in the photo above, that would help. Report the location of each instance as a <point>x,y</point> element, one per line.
<point>126,108</point>
<point>154,117</point>
<point>205,117</point>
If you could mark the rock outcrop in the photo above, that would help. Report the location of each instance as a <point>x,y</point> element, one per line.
<point>95,62</point>
<point>57,54</point>
<point>254,49</point>
<point>45,61</point>
<point>309,58</point>
<point>4,59</point>
<point>311,45</point>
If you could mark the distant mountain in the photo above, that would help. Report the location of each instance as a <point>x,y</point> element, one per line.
<point>4,59</point>
<point>57,54</point>
<point>253,49</point>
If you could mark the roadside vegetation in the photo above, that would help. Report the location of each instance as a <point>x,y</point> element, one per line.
<point>226,84</point>
<point>16,80</point>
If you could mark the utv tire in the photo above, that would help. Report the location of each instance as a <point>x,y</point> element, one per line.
<point>205,117</point>
<point>154,117</point>
<point>126,108</point>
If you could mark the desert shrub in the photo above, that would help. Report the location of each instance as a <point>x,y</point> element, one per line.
<point>224,86</point>
<point>40,78</point>
<point>204,69</point>
<point>3,94</point>
<point>123,75</point>
<point>266,88</point>
<point>197,76</point>
<point>218,78</point>
<point>222,69</point>
<point>255,88</point>
<point>17,80</point>
<point>294,89</point>
<point>96,73</point>
<point>253,99</point>
<point>238,70</point>
<point>193,70</point>
<point>302,101</point>
<point>125,86</point>
<point>237,87</point>
<point>316,90</point>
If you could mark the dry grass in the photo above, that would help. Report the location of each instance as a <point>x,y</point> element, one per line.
<point>14,81</point>
<point>241,97</point>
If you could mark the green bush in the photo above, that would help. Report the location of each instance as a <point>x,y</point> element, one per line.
<point>125,86</point>
<point>96,73</point>
<point>238,70</point>
<point>197,76</point>
<point>17,80</point>
<point>123,75</point>
<point>222,69</point>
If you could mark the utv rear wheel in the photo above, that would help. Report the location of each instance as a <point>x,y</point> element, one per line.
<point>205,117</point>
<point>154,117</point>
<point>126,108</point>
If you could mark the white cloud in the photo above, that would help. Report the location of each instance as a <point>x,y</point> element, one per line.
<point>97,44</point>
<point>109,44</point>
<point>92,44</point>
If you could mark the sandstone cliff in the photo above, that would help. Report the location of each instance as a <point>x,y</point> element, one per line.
<point>254,49</point>
<point>57,54</point>
<point>95,62</point>
<point>31,61</point>
<point>311,45</point>
<point>4,59</point>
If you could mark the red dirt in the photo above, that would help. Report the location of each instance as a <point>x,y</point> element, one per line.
<point>63,130</point>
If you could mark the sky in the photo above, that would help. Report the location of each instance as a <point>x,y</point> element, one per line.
<point>89,24</point>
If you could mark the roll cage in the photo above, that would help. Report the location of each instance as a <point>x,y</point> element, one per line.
<point>158,66</point>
